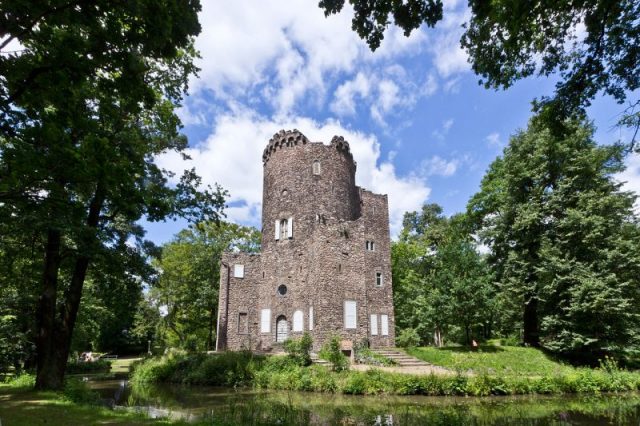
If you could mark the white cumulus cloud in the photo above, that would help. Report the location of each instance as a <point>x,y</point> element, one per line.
<point>438,166</point>
<point>389,92</point>
<point>631,177</point>
<point>288,50</point>
<point>493,140</point>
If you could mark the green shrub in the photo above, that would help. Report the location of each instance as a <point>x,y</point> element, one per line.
<point>224,369</point>
<point>322,380</point>
<point>331,352</point>
<point>79,392</point>
<point>408,338</point>
<point>276,363</point>
<point>300,349</point>
<point>283,372</point>
<point>485,385</point>
<point>364,355</point>
<point>154,370</point>
<point>608,364</point>
<point>22,381</point>
<point>88,367</point>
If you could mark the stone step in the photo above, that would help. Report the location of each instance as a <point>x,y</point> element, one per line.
<point>317,360</point>
<point>401,358</point>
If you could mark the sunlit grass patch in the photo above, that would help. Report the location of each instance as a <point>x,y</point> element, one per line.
<point>508,360</point>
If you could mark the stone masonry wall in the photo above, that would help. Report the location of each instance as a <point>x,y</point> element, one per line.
<point>324,263</point>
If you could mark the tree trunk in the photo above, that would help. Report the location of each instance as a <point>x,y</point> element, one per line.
<point>437,337</point>
<point>47,372</point>
<point>531,334</point>
<point>54,333</point>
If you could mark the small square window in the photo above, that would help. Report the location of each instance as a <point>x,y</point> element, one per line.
<point>378,279</point>
<point>238,271</point>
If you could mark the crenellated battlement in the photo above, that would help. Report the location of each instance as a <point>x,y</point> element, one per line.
<point>282,139</point>
<point>291,138</point>
<point>343,146</point>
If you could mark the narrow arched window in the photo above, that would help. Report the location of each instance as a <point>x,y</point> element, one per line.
<point>316,167</point>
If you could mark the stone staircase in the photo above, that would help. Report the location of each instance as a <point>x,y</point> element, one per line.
<point>316,360</point>
<point>401,358</point>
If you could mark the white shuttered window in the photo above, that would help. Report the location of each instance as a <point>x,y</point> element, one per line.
<point>297,321</point>
<point>290,228</point>
<point>384,325</point>
<point>277,229</point>
<point>265,321</point>
<point>238,271</point>
<point>374,324</point>
<point>350,314</point>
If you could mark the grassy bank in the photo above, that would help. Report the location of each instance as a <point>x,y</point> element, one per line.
<point>278,372</point>
<point>76,405</point>
<point>502,360</point>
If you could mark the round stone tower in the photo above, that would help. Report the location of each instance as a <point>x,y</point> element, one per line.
<point>309,182</point>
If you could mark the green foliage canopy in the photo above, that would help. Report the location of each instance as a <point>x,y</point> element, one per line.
<point>441,283</point>
<point>85,105</point>
<point>564,239</point>
<point>189,278</point>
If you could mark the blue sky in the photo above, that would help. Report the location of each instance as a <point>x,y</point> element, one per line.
<point>420,127</point>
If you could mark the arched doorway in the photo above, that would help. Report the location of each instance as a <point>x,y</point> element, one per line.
<point>282,329</point>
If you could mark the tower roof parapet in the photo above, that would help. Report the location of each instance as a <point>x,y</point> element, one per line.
<point>343,146</point>
<point>291,138</point>
<point>281,139</point>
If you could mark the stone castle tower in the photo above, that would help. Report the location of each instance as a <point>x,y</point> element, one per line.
<point>325,264</point>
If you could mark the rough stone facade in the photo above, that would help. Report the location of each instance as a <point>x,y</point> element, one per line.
<point>325,239</point>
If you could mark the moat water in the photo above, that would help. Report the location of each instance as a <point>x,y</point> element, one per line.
<point>223,406</point>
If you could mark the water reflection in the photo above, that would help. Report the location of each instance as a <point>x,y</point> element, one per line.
<point>222,406</point>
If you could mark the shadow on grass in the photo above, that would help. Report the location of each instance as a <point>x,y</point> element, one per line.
<point>468,349</point>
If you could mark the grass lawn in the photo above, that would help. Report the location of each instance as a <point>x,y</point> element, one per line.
<point>121,366</point>
<point>508,360</point>
<point>19,406</point>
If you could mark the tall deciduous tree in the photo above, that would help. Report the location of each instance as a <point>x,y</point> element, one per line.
<point>564,238</point>
<point>441,282</point>
<point>188,282</point>
<point>85,105</point>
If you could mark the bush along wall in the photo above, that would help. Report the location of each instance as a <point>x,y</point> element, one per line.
<point>283,373</point>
